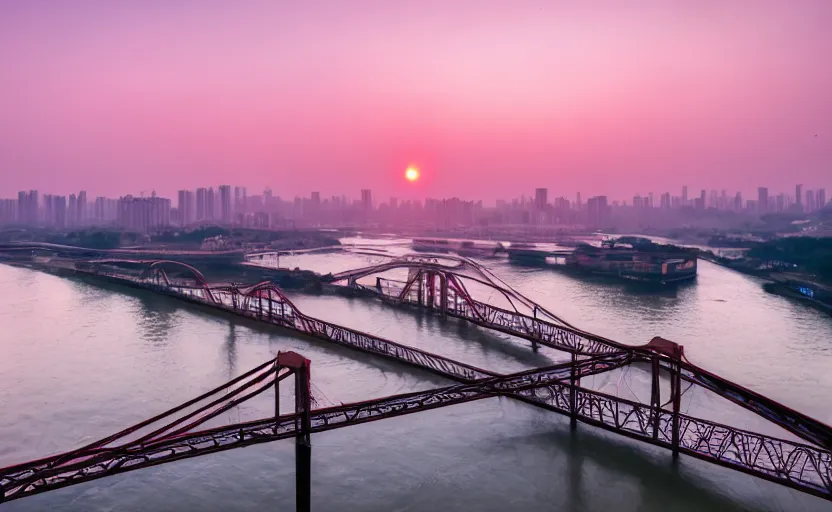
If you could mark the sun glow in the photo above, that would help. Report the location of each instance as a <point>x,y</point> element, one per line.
<point>411,174</point>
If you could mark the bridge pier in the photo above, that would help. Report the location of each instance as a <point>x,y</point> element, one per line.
<point>420,277</point>
<point>573,394</point>
<point>675,353</point>
<point>535,328</point>
<point>303,478</point>
<point>443,294</point>
<point>303,425</point>
<point>655,397</point>
<point>676,391</point>
<point>431,285</point>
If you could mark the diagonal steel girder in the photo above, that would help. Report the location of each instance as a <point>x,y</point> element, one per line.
<point>100,460</point>
<point>569,339</point>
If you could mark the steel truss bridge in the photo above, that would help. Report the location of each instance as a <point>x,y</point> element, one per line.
<point>439,283</point>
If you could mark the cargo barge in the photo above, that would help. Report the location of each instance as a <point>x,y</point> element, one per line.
<point>637,260</point>
<point>465,248</point>
<point>630,258</point>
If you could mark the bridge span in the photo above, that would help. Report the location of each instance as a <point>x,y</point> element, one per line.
<point>804,464</point>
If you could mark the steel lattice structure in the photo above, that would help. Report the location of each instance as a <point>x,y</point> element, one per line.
<point>174,435</point>
<point>442,288</point>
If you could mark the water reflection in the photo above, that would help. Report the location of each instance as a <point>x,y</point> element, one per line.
<point>156,317</point>
<point>615,293</point>
<point>230,349</point>
<point>661,481</point>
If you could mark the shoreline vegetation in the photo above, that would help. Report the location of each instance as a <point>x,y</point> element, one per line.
<point>795,267</point>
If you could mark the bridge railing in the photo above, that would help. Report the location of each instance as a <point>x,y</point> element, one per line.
<point>368,343</point>
<point>793,464</point>
<point>576,342</point>
<point>540,331</point>
<point>280,312</point>
<point>549,334</point>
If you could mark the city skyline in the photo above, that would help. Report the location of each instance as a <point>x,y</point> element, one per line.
<point>233,206</point>
<point>235,191</point>
<point>576,255</point>
<point>487,97</point>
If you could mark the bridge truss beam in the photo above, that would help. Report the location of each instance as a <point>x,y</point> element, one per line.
<point>800,466</point>
<point>542,330</point>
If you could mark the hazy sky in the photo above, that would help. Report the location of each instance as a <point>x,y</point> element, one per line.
<point>489,98</point>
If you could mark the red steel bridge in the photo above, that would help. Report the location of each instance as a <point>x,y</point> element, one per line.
<point>803,462</point>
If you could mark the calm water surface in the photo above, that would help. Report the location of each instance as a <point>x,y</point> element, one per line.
<point>79,361</point>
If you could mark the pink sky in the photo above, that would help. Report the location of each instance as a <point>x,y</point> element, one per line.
<point>490,98</point>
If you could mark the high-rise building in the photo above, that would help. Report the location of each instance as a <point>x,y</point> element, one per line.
<point>226,212</point>
<point>268,201</point>
<point>762,199</point>
<point>738,202</point>
<point>367,199</point>
<point>82,208</point>
<point>665,201</point>
<point>578,204</point>
<point>201,200</point>
<point>205,204</point>
<point>72,211</point>
<point>210,204</point>
<point>821,196</point>
<point>240,200</point>
<point>180,206</point>
<point>98,210</point>
<point>540,198</point>
<point>597,211</point>
<point>684,195</point>
<point>27,207</point>
<point>798,196</point>
<point>186,207</point>
<point>33,206</point>
<point>142,214</point>
<point>22,213</point>
<point>48,210</point>
<point>810,201</point>
<point>781,202</point>
<point>59,208</point>
<point>700,204</point>
<point>8,211</point>
<point>561,205</point>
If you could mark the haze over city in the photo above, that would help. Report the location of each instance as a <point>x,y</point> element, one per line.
<point>490,99</point>
<point>433,255</point>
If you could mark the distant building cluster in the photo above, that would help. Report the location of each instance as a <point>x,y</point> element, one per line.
<point>142,214</point>
<point>764,203</point>
<point>232,206</point>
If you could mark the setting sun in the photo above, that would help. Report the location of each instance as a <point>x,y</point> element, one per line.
<point>412,173</point>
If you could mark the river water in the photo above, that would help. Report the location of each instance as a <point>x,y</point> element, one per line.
<point>79,360</point>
